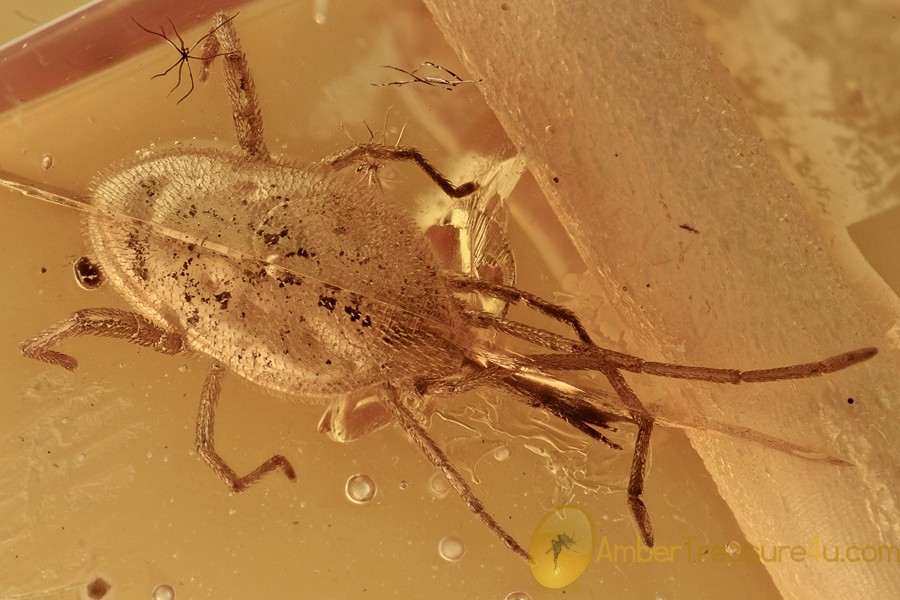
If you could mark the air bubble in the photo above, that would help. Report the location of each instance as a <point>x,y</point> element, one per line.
<point>517,596</point>
<point>404,484</point>
<point>46,162</point>
<point>360,489</point>
<point>733,549</point>
<point>501,453</point>
<point>164,592</point>
<point>451,548</point>
<point>438,485</point>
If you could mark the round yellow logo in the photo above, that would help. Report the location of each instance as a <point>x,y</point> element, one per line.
<point>561,547</point>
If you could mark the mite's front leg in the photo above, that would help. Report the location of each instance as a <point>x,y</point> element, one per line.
<point>206,420</point>
<point>248,123</point>
<point>105,322</point>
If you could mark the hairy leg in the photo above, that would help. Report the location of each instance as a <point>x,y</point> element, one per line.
<point>206,420</point>
<point>105,322</point>
<point>589,357</point>
<point>437,457</point>
<point>511,294</point>
<point>245,109</point>
<point>359,152</point>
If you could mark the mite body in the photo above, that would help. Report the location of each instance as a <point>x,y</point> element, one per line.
<point>357,299</point>
<point>310,283</point>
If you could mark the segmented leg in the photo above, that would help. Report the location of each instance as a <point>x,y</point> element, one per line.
<point>106,322</point>
<point>638,457</point>
<point>365,152</point>
<point>571,408</point>
<point>588,356</point>
<point>510,294</point>
<point>238,82</point>
<point>437,457</point>
<point>206,420</point>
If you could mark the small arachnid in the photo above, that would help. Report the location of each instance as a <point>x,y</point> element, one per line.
<point>309,283</point>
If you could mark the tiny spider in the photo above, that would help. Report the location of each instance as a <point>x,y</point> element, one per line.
<point>429,80</point>
<point>184,53</point>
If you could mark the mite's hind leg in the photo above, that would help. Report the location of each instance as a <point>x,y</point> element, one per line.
<point>206,420</point>
<point>238,82</point>
<point>354,416</point>
<point>510,294</point>
<point>437,457</point>
<point>106,322</point>
<point>365,152</point>
<point>641,453</point>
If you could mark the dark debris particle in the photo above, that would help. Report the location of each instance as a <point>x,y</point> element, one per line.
<point>223,299</point>
<point>327,303</point>
<point>687,227</point>
<point>98,588</point>
<point>88,274</point>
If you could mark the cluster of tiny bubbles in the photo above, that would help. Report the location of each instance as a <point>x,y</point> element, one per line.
<point>733,549</point>
<point>451,548</point>
<point>46,162</point>
<point>164,592</point>
<point>438,485</point>
<point>360,488</point>
<point>518,596</point>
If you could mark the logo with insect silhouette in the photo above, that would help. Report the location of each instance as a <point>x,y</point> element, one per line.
<point>562,547</point>
<point>562,542</point>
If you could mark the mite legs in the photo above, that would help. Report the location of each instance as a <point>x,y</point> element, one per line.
<point>585,355</point>
<point>206,420</point>
<point>437,457</point>
<point>248,123</point>
<point>106,322</point>
<point>359,152</point>
<point>132,327</point>
<point>512,295</point>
